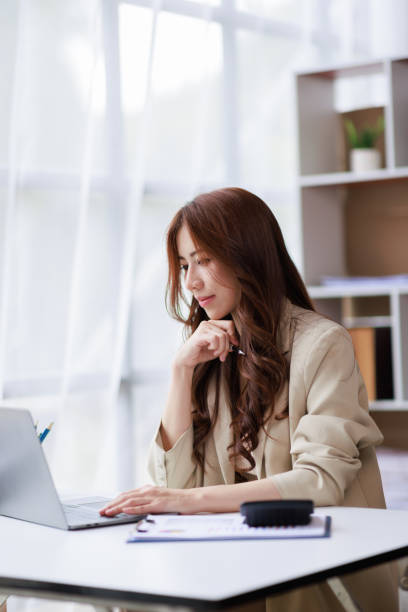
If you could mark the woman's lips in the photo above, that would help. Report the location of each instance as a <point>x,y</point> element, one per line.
<point>206,300</point>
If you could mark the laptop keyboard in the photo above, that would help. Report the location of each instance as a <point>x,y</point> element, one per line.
<point>87,513</point>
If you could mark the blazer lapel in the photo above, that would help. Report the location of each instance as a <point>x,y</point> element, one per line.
<point>286,331</point>
<point>281,405</point>
<point>223,436</point>
<point>222,431</point>
<point>285,337</point>
<point>258,453</point>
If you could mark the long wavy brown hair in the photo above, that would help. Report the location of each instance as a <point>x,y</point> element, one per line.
<point>238,229</point>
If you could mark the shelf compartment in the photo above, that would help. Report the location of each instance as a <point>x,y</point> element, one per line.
<point>355,230</point>
<point>320,124</point>
<point>373,350</point>
<point>376,311</point>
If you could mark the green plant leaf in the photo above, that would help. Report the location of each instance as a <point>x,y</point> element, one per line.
<point>379,126</point>
<point>351,133</point>
<point>367,136</point>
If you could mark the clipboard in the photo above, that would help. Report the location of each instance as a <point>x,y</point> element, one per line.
<point>232,526</point>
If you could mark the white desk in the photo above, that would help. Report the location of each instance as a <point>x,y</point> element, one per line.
<point>96,565</point>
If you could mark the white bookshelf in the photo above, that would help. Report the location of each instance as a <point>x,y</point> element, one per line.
<point>346,178</point>
<point>356,224</point>
<point>353,290</point>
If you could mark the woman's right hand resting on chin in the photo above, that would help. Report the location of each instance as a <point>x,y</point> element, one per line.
<point>211,340</point>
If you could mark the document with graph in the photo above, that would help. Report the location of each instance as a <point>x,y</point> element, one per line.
<point>171,527</point>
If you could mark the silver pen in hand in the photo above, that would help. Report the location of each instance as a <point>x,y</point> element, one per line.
<point>236,349</point>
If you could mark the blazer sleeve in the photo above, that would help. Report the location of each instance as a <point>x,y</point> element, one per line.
<point>326,443</point>
<point>174,468</point>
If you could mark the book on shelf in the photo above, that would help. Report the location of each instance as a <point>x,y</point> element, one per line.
<point>364,347</point>
<point>372,347</point>
<point>383,363</point>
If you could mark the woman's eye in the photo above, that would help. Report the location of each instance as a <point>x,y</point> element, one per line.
<point>203,261</point>
<point>184,268</point>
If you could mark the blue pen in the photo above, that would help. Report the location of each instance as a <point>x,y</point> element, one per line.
<point>45,433</point>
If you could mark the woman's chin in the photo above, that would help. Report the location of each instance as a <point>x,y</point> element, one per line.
<point>215,314</point>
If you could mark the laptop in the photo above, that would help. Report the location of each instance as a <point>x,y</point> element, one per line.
<point>27,490</point>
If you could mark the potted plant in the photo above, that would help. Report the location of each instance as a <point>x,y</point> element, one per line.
<point>363,155</point>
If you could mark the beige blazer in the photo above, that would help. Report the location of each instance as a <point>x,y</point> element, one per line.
<point>328,455</point>
<point>324,451</point>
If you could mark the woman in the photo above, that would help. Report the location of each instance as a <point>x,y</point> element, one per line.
<point>266,400</point>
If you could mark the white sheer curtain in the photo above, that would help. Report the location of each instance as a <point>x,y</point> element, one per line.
<point>60,259</point>
<point>85,81</point>
<point>67,234</point>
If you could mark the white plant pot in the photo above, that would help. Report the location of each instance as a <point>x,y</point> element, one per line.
<point>363,160</point>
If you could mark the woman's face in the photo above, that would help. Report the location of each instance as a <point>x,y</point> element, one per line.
<point>213,284</point>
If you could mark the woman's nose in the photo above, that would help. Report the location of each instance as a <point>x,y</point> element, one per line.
<point>192,279</point>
